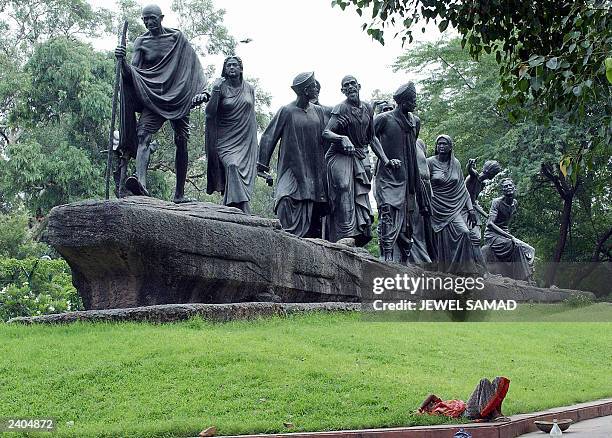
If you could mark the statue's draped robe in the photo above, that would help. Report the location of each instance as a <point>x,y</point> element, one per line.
<point>166,89</point>
<point>517,259</point>
<point>300,196</point>
<point>422,250</point>
<point>231,145</point>
<point>454,249</point>
<point>474,186</point>
<point>348,184</point>
<point>397,188</point>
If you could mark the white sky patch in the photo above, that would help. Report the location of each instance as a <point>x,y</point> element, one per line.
<point>293,36</point>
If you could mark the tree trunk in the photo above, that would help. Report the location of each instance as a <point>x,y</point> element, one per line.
<point>566,217</point>
<point>594,259</point>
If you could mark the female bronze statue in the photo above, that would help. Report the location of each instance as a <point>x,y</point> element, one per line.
<point>231,136</point>
<point>452,213</point>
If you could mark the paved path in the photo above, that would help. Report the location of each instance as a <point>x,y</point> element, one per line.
<point>596,428</point>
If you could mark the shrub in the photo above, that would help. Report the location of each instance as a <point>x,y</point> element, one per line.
<point>578,300</point>
<point>32,287</point>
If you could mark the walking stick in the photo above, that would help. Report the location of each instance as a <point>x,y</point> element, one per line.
<point>109,162</point>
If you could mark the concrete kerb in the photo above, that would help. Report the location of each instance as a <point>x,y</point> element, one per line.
<point>518,425</point>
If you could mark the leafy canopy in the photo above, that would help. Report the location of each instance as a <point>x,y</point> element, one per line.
<point>553,54</point>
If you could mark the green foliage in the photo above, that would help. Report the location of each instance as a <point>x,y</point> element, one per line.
<point>50,174</point>
<point>578,300</point>
<point>16,237</point>
<point>32,287</point>
<point>203,26</point>
<point>458,96</point>
<point>29,22</point>
<point>551,55</point>
<point>56,101</point>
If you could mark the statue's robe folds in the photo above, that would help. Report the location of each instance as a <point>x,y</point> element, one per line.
<point>301,195</point>
<point>348,183</point>
<point>166,89</point>
<point>396,190</point>
<point>517,258</point>
<point>474,187</point>
<point>231,145</point>
<point>422,251</point>
<point>455,252</point>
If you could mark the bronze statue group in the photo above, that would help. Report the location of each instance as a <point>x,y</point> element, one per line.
<point>428,214</point>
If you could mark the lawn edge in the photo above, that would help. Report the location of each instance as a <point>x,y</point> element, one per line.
<point>519,424</point>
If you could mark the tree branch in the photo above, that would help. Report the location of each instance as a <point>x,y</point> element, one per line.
<point>470,86</point>
<point>547,171</point>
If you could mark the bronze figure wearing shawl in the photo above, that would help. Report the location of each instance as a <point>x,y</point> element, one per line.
<point>452,213</point>
<point>231,136</point>
<point>511,256</point>
<point>163,82</point>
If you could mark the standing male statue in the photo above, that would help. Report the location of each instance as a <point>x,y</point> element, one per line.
<point>350,130</point>
<point>300,198</point>
<point>397,191</point>
<point>163,82</point>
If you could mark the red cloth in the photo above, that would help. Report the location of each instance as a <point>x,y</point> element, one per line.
<point>448,408</point>
<point>495,403</point>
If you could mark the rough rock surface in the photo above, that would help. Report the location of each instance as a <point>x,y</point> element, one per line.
<point>142,251</point>
<point>181,312</point>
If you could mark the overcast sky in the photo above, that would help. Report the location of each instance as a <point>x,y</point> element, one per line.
<point>292,36</point>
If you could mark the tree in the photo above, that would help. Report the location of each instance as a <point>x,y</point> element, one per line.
<point>564,217</point>
<point>56,91</point>
<point>553,57</point>
<point>61,115</point>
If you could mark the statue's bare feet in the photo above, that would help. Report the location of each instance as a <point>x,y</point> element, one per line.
<point>182,200</point>
<point>134,186</point>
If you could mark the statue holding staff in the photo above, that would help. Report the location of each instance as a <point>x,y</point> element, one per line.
<point>163,82</point>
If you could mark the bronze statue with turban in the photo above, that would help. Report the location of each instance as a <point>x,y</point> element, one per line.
<point>398,190</point>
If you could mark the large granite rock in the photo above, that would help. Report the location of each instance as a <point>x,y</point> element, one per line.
<point>142,251</point>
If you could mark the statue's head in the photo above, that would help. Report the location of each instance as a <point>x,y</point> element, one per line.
<point>490,169</point>
<point>444,144</point>
<point>317,91</point>
<point>152,17</point>
<point>350,87</point>
<point>507,187</point>
<point>232,67</point>
<point>305,84</point>
<point>386,107</point>
<point>405,96</point>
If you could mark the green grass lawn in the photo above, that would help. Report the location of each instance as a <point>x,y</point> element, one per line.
<point>317,371</point>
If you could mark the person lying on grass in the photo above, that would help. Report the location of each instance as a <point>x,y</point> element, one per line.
<point>483,405</point>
